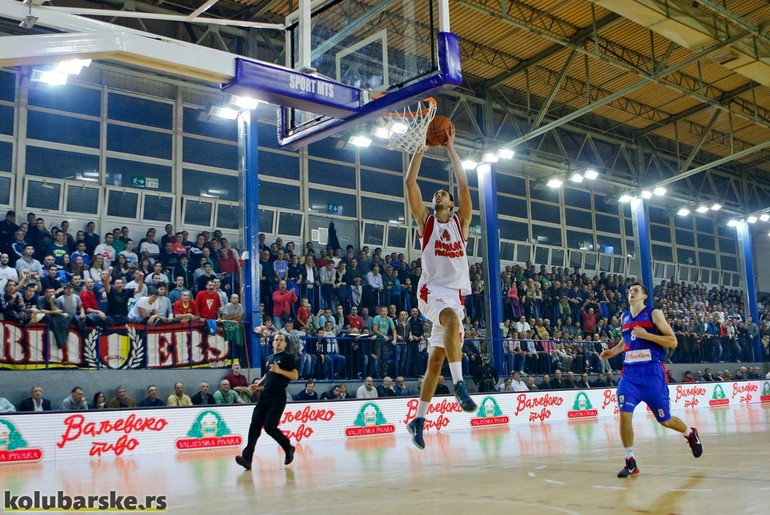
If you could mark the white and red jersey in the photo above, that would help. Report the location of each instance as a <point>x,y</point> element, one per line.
<point>444,261</point>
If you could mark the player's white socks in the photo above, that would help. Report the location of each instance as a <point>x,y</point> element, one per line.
<point>456,369</point>
<point>629,452</point>
<point>688,432</point>
<point>422,408</point>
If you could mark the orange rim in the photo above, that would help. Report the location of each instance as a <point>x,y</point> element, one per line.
<point>409,114</point>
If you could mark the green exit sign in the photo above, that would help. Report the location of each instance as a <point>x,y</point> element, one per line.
<point>137,181</point>
<point>333,209</point>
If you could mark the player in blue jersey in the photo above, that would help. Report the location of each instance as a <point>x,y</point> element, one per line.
<point>646,335</point>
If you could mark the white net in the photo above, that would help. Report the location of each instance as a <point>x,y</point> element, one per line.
<point>406,129</point>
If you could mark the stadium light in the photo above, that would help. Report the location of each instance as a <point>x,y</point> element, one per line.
<point>360,141</point>
<point>752,219</point>
<point>505,153</point>
<point>490,157</point>
<point>591,175</point>
<point>764,217</point>
<point>659,191</point>
<point>576,178</point>
<point>683,212</point>
<point>732,223</point>
<point>625,198</point>
<point>646,194</point>
<point>702,209</point>
<point>716,206</point>
<point>469,164</point>
<point>554,183</point>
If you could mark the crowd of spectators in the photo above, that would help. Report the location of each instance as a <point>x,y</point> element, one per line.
<point>348,314</point>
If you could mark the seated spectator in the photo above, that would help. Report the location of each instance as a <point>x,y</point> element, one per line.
<point>176,294</point>
<point>225,395</point>
<point>121,400</point>
<point>441,388</point>
<point>402,389</point>
<point>76,401</point>
<point>238,382</point>
<point>367,390</point>
<point>99,402</point>
<point>386,388</point>
<point>203,396</point>
<point>546,382</point>
<point>165,312</point>
<point>145,311</point>
<point>601,381</point>
<point>517,384</point>
<point>35,402</point>
<point>72,306</point>
<point>94,316</point>
<point>334,394</point>
<point>531,386</point>
<point>688,378</point>
<point>151,401</point>
<point>185,309</point>
<point>308,393</point>
<point>507,385</point>
<point>12,304</point>
<point>179,398</point>
<point>6,406</point>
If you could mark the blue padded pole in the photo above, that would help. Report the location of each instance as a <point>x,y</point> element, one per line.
<point>750,302</point>
<point>642,226</point>
<point>248,166</point>
<point>489,230</point>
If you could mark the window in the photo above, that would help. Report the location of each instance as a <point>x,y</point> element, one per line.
<point>43,195</point>
<point>557,257</point>
<point>658,215</point>
<point>212,185</point>
<point>374,234</point>
<point>590,261</point>
<point>158,208</point>
<point>197,212</point>
<point>81,199</point>
<point>382,210</point>
<point>704,224</point>
<point>332,148</point>
<point>278,165</point>
<point>662,253</point>
<point>707,259</point>
<point>228,216</point>
<point>131,174</point>
<point>542,192</point>
<point>6,120</point>
<point>580,240</point>
<point>290,224</point>
<point>706,241</point>
<point>332,203</point>
<point>545,212</point>
<point>575,259</point>
<point>143,142</point>
<point>511,185</point>
<point>141,111</point>
<point>685,256</point>
<point>608,244</point>
<point>729,263</point>
<point>331,174</point>
<point>660,233</point>
<point>382,183</point>
<point>541,257</point>
<point>397,237</point>
<point>72,98</point>
<point>5,190</point>
<point>59,164</point>
<point>122,204</point>
<point>6,156</point>
<point>506,251</point>
<point>382,158</point>
<point>523,253</point>
<point>606,223</point>
<point>512,206</point>
<point>435,169</point>
<point>8,86</point>
<point>544,235</point>
<point>197,121</point>
<point>63,129</point>
<point>577,198</point>
<point>685,237</point>
<point>266,219</point>
<point>209,153</point>
<point>511,230</point>
<point>280,195</point>
<point>577,218</point>
<point>728,245</point>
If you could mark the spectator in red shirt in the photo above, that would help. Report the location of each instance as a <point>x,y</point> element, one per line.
<point>209,303</point>
<point>226,262</point>
<point>186,309</point>
<point>94,315</point>
<point>589,320</point>
<point>282,301</point>
<point>354,320</point>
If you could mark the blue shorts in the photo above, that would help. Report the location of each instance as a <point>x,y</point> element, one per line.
<point>645,383</point>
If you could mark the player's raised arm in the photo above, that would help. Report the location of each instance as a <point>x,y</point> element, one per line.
<point>465,211</point>
<point>413,193</point>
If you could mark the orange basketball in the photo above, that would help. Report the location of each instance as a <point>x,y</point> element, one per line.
<point>436,135</point>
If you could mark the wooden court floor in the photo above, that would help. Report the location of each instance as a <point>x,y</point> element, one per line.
<point>541,468</point>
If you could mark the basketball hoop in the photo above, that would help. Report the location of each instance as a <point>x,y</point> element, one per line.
<point>406,129</point>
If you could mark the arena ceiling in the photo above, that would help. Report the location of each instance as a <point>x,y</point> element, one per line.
<point>651,92</point>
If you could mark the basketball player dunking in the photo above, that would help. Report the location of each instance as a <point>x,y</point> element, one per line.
<point>646,334</point>
<point>445,280</point>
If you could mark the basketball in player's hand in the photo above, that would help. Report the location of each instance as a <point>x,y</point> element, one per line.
<point>436,135</point>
